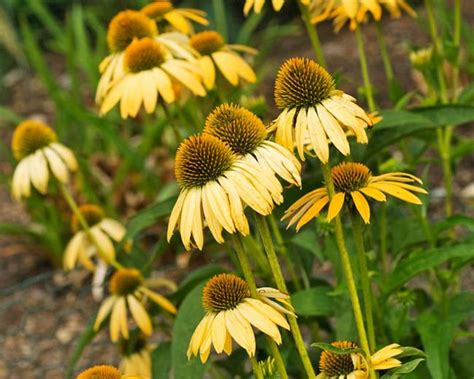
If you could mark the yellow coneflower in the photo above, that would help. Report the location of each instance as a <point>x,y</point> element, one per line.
<point>355,365</point>
<point>353,183</point>
<point>355,11</point>
<point>215,188</point>
<point>314,112</point>
<point>137,362</point>
<point>103,230</point>
<point>230,315</point>
<point>246,135</point>
<point>35,146</point>
<point>179,18</point>
<point>216,53</point>
<point>257,5</point>
<point>128,289</point>
<point>125,27</point>
<point>149,69</point>
<point>105,372</point>
<point>395,7</point>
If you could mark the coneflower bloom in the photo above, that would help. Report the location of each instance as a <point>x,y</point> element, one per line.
<point>216,53</point>
<point>138,360</point>
<point>35,146</point>
<point>355,12</point>
<point>148,70</point>
<point>106,372</point>
<point>246,135</point>
<point>257,5</point>
<point>353,184</point>
<point>354,365</point>
<point>230,315</point>
<point>162,11</point>
<point>314,112</point>
<point>215,188</point>
<point>102,229</point>
<point>129,289</point>
<point>125,27</point>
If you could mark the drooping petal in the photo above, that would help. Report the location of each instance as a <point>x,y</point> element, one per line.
<point>140,315</point>
<point>104,311</point>
<point>362,205</point>
<point>335,205</point>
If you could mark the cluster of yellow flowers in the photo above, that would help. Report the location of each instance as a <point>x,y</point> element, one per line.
<point>236,163</point>
<point>155,54</point>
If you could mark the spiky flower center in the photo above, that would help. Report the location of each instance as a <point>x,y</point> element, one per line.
<point>157,9</point>
<point>349,177</point>
<point>29,136</point>
<point>100,372</point>
<point>236,126</point>
<point>143,54</point>
<point>201,159</point>
<point>207,42</point>
<point>125,281</point>
<point>92,214</point>
<point>126,26</point>
<point>302,83</point>
<point>337,364</point>
<point>224,292</point>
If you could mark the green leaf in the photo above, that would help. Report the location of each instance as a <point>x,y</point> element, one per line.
<point>437,328</point>
<point>424,260</point>
<point>336,350</point>
<point>403,369</point>
<point>313,302</point>
<point>397,124</point>
<point>85,339</point>
<point>195,277</point>
<point>161,361</point>
<point>149,216</point>
<point>453,221</point>
<point>8,116</point>
<point>189,315</point>
<point>409,351</point>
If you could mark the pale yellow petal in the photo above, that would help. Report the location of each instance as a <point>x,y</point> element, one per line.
<point>39,173</point>
<point>208,71</point>
<point>104,242</point>
<point>219,332</point>
<point>162,301</point>
<point>333,130</point>
<point>104,311</point>
<point>57,165</point>
<point>113,228</point>
<point>176,213</point>
<point>72,250</point>
<point>260,321</point>
<point>317,136</point>
<point>66,155</point>
<point>140,315</point>
<point>241,331</point>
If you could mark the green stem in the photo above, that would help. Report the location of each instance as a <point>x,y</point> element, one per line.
<point>312,34</point>
<point>383,238</point>
<point>75,209</point>
<point>281,248</point>
<point>364,277</point>
<point>365,71</point>
<point>346,266</point>
<point>264,232</point>
<point>457,45</point>
<point>176,131</point>
<point>443,135</point>
<point>387,63</point>
<point>250,279</point>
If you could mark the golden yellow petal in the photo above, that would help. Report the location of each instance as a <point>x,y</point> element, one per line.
<point>362,205</point>
<point>397,192</point>
<point>335,205</point>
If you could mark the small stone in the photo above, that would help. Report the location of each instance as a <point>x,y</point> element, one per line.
<point>40,324</point>
<point>468,192</point>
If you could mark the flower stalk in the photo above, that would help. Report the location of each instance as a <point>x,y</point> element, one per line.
<point>312,34</point>
<point>250,279</point>
<point>365,70</point>
<point>264,232</point>
<point>347,269</point>
<point>357,231</point>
